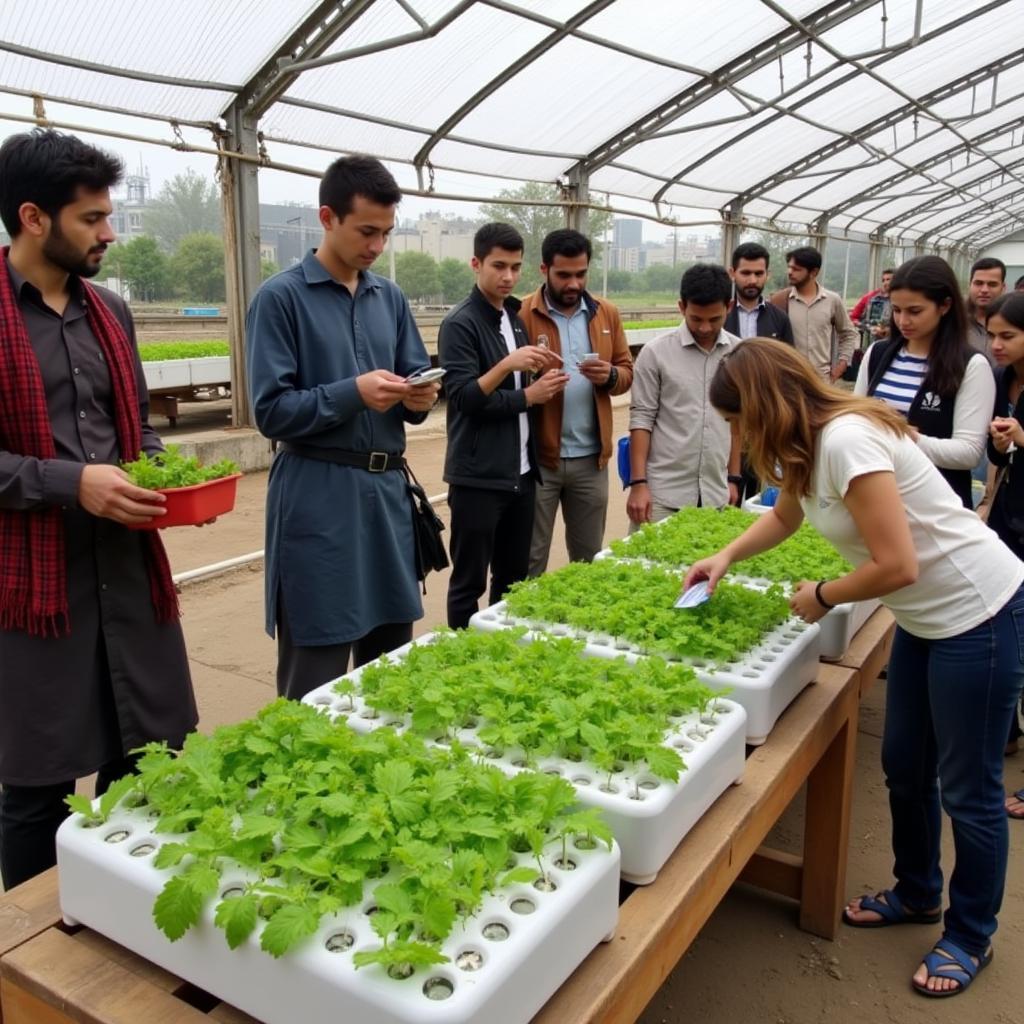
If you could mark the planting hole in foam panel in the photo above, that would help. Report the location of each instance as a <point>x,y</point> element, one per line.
<point>469,960</point>
<point>495,931</point>
<point>438,989</point>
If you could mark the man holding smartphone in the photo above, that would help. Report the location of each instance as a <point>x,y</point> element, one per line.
<point>574,429</point>
<point>490,464</point>
<point>330,346</point>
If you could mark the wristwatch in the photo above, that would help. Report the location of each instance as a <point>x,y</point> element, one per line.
<point>734,479</point>
<point>613,378</point>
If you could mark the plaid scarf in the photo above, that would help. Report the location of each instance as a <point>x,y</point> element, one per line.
<point>33,572</point>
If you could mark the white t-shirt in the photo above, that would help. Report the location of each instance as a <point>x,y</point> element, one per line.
<point>517,377</point>
<point>965,572</point>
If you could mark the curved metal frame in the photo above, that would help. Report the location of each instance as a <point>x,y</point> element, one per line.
<point>307,46</point>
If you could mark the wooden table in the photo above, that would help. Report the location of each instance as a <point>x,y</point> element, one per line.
<point>53,975</point>
<point>869,650</point>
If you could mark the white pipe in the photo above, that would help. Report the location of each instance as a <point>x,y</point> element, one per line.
<point>216,568</point>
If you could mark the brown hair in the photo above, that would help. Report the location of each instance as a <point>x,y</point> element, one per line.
<point>782,404</point>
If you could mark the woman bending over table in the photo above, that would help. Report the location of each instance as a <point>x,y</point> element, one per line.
<point>956,671</point>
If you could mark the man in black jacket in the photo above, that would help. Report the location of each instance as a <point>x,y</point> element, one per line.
<point>490,464</point>
<point>751,316</point>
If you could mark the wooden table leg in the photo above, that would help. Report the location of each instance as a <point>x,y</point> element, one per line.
<point>827,830</point>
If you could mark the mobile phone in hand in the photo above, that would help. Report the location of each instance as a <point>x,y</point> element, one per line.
<point>427,376</point>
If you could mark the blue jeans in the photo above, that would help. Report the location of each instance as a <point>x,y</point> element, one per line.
<point>948,709</point>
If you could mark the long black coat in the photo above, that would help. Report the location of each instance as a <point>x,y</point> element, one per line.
<point>70,704</point>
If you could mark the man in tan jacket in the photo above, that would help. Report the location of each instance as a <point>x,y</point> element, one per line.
<point>574,429</point>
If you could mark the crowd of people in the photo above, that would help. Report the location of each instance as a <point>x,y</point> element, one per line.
<point>743,393</point>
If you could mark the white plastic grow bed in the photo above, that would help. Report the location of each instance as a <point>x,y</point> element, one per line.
<point>837,627</point>
<point>764,681</point>
<point>182,373</point>
<point>649,816</point>
<point>506,962</point>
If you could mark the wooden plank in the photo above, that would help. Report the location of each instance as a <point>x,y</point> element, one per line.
<point>21,1007</point>
<point>869,649</point>
<point>776,871</point>
<point>28,910</point>
<point>658,922</point>
<point>827,829</point>
<point>110,950</point>
<point>85,986</point>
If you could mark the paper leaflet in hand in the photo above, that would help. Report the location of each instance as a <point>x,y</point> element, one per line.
<point>695,595</point>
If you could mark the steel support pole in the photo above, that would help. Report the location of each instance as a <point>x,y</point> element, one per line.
<point>240,203</point>
<point>732,227</point>
<point>875,244</point>
<point>577,191</point>
<point>819,238</point>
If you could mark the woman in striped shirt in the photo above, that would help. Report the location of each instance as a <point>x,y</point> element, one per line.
<point>927,371</point>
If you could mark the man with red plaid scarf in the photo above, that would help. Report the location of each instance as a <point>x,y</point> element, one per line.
<point>92,658</point>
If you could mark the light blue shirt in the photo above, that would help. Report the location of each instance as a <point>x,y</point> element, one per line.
<point>580,435</point>
<point>748,318</point>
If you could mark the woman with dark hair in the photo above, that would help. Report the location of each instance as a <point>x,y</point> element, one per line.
<point>1005,323</point>
<point>927,371</point>
<point>956,670</point>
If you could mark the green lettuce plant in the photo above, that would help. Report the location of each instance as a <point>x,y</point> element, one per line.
<point>694,533</point>
<point>543,698</point>
<point>172,469</point>
<point>314,812</point>
<point>636,603</point>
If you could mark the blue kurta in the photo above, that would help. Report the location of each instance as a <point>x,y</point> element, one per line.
<point>339,542</point>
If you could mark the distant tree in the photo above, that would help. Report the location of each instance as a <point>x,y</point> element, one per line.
<point>621,281</point>
<point>198,267</point>
<point>417,275</point>
<point>143,267</point>
<point>660,278</point>
<point>457,279</point>
<point>186,205</point>
<point>268,268</point>
<point>534,222</point>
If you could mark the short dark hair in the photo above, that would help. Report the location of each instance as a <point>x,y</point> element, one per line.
<point>496,235</point>
<point>988,263</point>
<point>565,242</point>
<point>704,284</point>
<point>805,256</point>
<point>750,251</point>
<point>358,175</point>
<point>889,270</point>
<point>1019,283</point>
<point>47,168</point>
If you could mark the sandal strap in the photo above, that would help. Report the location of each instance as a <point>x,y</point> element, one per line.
<point>885,903</point>
<point>948,960</point>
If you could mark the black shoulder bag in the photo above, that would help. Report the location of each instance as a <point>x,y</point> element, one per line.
<point>426,529</point>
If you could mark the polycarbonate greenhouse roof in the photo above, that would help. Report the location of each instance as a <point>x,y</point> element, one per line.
<point>893,117</point>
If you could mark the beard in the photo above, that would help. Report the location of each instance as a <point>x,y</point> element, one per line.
<point>751,291</point>
<point>60,252</point>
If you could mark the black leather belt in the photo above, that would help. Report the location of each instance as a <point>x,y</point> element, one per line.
<point>374,462</point>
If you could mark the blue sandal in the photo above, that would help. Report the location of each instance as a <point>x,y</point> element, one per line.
<point>892,910</point>
<point>947,960</point>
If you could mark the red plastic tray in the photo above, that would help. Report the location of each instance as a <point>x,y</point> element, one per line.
<point>187,506</point>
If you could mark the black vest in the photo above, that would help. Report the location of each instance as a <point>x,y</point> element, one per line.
<point>930,413</point>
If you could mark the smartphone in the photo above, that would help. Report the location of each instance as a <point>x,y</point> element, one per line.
<point>587,357</point>
<point>427,376</point>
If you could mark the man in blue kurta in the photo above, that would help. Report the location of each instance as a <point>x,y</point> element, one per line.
<point>329,346</point>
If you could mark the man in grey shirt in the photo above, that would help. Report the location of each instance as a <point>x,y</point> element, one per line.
<point>682,452</point>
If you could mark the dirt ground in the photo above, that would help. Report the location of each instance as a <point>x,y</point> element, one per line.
<point>751,963</point>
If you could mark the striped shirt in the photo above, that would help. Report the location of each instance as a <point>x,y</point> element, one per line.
<point>902,380</point>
